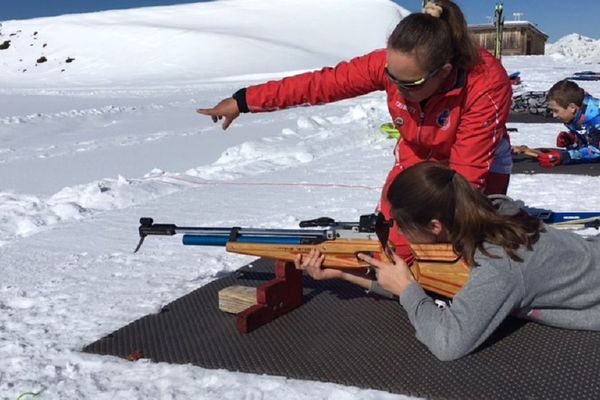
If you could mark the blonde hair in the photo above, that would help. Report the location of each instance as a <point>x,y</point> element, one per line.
<point>433,9</point>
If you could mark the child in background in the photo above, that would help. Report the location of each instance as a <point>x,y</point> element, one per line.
<point>580,112</point>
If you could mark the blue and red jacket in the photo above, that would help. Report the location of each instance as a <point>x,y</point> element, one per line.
<point>586,124</point>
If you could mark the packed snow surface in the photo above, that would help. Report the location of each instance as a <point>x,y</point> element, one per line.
<point>98,128</point>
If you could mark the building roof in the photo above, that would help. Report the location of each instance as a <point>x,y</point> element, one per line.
<point>512,24</point>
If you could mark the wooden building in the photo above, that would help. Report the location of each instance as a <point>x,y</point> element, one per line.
<point>519,38</point>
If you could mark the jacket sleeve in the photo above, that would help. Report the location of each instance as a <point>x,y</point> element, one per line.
<point>356,77</point>
<point>593,120</point>
<point>482,125</point>
<point>487,298</point>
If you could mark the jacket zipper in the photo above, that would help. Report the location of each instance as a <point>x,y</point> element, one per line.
<point>420,126</point>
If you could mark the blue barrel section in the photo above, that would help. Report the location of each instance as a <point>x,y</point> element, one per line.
<point>212,240</point>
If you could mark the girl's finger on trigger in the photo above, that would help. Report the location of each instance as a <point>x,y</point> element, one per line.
<point>363,256</point>
<point>396,257</point>
<point>372,261</point>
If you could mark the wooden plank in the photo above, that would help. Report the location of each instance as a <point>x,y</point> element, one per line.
<point>235,299</point>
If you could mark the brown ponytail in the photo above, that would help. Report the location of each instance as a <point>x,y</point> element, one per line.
<point>436,41</point>
<point>430,191</point>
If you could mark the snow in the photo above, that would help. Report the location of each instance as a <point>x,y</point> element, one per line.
<point>86,152</point>
<point>578,48</point>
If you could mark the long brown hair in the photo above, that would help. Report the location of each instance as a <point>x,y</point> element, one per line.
<point>436,41</point>
<point>428,191</point>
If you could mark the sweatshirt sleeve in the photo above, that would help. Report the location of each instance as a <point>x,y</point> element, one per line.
<point>356,77</point>
<point>487,298</point>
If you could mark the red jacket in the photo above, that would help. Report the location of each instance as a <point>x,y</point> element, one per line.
<point>459,127</point>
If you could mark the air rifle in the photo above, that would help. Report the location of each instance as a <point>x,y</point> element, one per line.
<point>340,241</point>
<point>436,266</point>
<point>526,150</point>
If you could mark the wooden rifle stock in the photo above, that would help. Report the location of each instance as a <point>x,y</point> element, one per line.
<point>528,151</point>
<point>436,267</point>
<point>339,253</point>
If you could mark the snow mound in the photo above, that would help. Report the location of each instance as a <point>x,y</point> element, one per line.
<point>579,48</point>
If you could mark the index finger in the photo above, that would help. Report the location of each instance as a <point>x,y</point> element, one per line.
<point>372,261</point>
<point>206,111</point>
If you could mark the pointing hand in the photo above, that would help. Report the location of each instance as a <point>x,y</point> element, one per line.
<point>226,108</point>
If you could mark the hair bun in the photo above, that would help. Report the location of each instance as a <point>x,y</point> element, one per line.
<point>433,9</point>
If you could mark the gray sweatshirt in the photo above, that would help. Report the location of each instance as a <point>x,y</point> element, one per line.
<point>557,284</point>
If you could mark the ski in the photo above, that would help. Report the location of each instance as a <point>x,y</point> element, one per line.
<point>569,220</point>
<point>389,129</point>
<point>499,23</point>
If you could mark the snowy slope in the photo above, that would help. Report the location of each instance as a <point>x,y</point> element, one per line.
<point>581,49</point>
<point>85,152</point>
<point>191,42</point>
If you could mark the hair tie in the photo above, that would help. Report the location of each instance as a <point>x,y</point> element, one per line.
<point>433,9</point>
<point>452,174</point>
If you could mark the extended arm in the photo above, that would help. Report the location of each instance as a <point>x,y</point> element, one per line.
<point>475,312</point>
<point>347,79</point>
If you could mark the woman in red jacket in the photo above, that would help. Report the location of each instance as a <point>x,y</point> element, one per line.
<point>449,98</point>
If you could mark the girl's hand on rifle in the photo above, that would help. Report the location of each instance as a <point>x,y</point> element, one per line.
<point>312,263</point>
<point>393,277</point>
<point>227,108</point>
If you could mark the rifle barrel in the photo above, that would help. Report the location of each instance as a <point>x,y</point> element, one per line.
<point>212,240</point>
<point>252,232</point>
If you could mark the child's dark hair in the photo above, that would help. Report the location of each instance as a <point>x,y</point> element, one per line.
<point>436,41</point>
<point>428,191</point>
<point>566,92</point>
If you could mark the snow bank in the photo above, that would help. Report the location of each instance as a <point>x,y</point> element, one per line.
<point>578,48</point>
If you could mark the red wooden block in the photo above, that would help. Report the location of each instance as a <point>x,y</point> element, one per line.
<point>275,298</point>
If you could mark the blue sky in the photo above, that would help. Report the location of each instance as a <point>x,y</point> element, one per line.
<point>548,15</point>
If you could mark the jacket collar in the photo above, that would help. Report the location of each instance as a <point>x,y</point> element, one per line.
<point>580,115</point>
<point>455,82</point>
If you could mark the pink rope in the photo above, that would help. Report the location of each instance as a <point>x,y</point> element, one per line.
<point>287,184</point>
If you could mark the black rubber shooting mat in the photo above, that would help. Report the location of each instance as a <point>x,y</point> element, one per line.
<point>527,118</point>
<point>345,336</point>
<point>527,165</point>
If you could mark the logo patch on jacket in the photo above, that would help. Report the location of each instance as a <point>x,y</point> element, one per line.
<point>399,121</point>
<point>406,107</point>
<point>443,119</point>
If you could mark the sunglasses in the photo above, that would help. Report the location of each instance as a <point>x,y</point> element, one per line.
<point>409,85</point>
